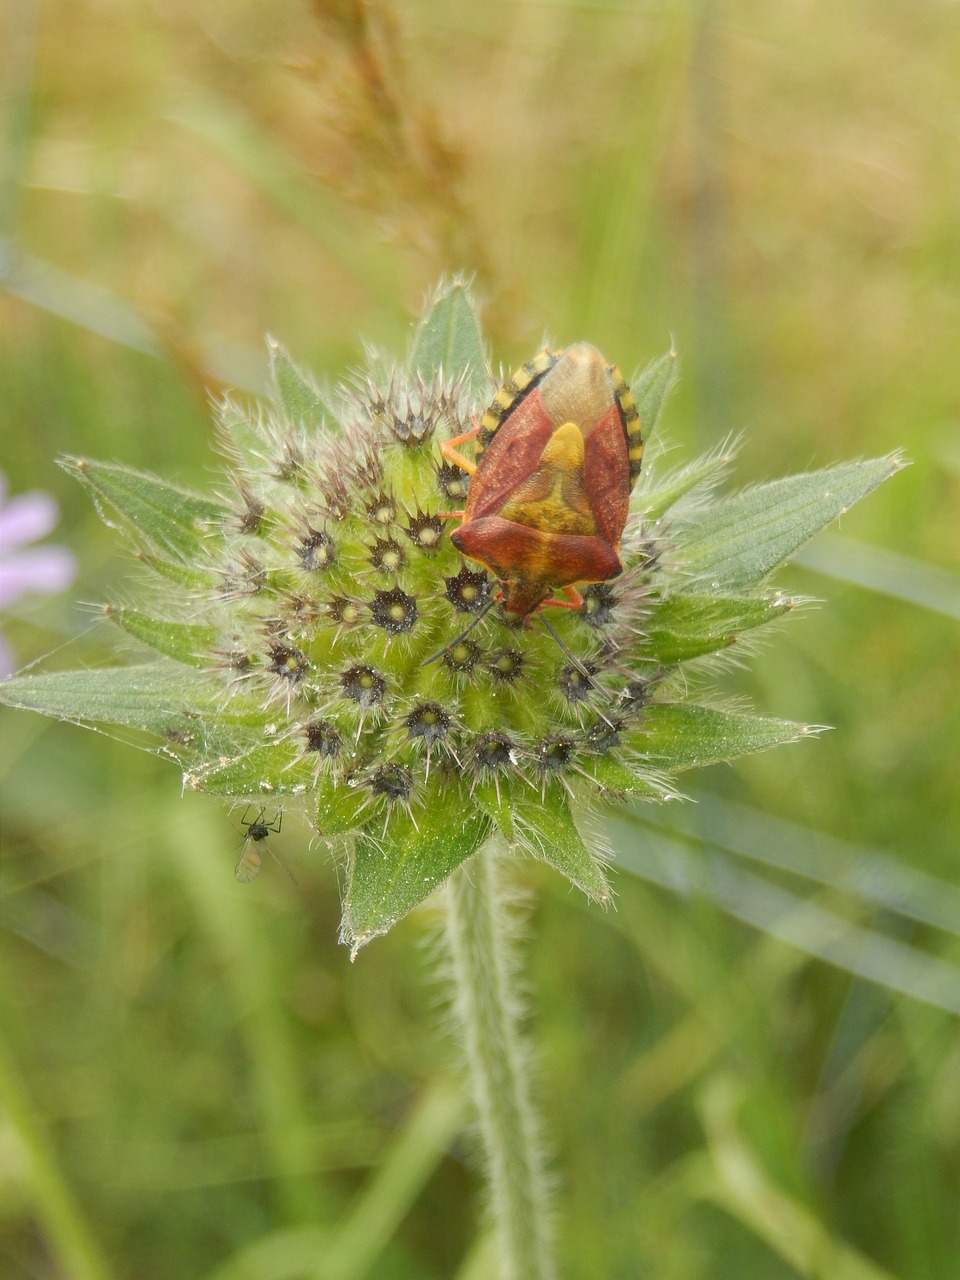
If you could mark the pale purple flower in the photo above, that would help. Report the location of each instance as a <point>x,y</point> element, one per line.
<point>23,569</point>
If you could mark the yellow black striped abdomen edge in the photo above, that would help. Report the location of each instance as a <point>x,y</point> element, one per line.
<point>630,418</point>
<point>510,395</point>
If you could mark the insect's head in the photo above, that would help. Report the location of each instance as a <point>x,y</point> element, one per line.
<point>522,595</point>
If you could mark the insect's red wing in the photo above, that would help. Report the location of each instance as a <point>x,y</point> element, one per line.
<point>606,476</point>
<point>510,457</point>
<point>553,558</point>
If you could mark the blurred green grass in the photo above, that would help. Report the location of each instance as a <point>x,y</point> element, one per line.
<point>199,1084</point>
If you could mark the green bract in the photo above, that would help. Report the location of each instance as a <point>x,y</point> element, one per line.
<point>307,597</point>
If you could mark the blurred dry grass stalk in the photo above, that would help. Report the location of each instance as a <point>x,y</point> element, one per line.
<point>381,141</point>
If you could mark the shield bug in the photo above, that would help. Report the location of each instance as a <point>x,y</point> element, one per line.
<point>556,456</point>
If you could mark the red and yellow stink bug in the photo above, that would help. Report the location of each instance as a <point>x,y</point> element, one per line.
<point>557,454</point>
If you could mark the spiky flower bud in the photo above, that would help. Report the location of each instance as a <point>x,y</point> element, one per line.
<point>328,647</point>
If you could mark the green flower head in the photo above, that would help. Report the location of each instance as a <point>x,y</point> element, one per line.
<point>327,647</point>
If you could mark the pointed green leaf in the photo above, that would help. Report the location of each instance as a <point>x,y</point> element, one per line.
<point>651,389</point>
<point>449,339</point>
<point>548,832</point>
<point>187,642</point>
<point>300,400</point>
<point>496,802</point>
<point>656,498</point>
<point>739,540</point>
<point>679,735</point>
<point>184,708</point>
<point>282,768</point>
<point>615,778</point>
<point>390,874</point>
<point>688,626</point>
<point>170,571</point>
<point>340,807</point>
<point>243,435</point>
<point>174,521</point>
<point>271,768</point>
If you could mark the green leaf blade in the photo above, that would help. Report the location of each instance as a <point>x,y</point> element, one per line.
<point>687,626</point>
<point>173,521</point>
<point>738,541</point>
<point>651,388</point>
<point>390,874</point>
<point>615,779</point>
<point>179,706</point>
<point>187,642</point>
<point>657,496</point>
<point>276,768</point>
<point>340,807</point>
<point>242,435</point>
<point>680,735</point>
<point>548,832</point>
<point>449,339</point>
<point>495,802</point>
<point>299,399</point>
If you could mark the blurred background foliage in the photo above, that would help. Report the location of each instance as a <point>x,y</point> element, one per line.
<point>195,1080</point>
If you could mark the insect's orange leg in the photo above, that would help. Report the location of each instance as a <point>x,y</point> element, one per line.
<point>573,601</point>
<point>451,453</point>
<point>450,515</point>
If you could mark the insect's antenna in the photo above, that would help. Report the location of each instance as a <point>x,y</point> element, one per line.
<point>572,656</point>
<point>463,634</point>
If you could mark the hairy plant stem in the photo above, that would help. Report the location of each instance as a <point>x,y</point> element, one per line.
<point>480,940</point>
